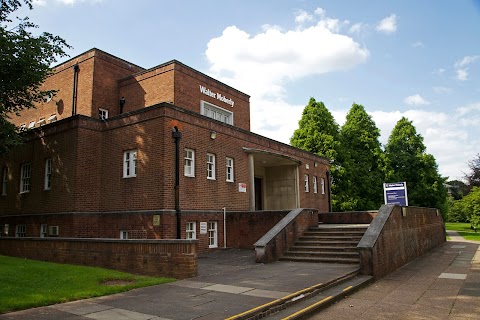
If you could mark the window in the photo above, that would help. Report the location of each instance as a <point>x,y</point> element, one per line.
<point>189,168</point>
<point>217,113</point>
<point>52,118</point>
<point>31,125</point>
<point>212,234</point>
<point>25,173</point>
<point>48,174</point>
<point>210,166</point>
<point>123,234</point>
<point>5,229</point>
<point>191,230</point>
<point>43,231</point>
<point>229,164</point>
<point>306,183</point>
<point>102,114</point>
<point>41,122</point>
<point>21,231</point>
<point>23,127</point>
<point>4,181</point>
<point>315,189</point>
<point>323,185</point>
<point>130,164</point>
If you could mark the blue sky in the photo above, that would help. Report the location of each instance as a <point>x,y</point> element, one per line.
<point>419,59</point>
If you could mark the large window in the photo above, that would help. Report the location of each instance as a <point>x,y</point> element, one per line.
<point>212,234</point>
<point>4,180</point>
<point>323,186</point>
<point>47,184</point>
<point>189,167</point>
<point>191,230</point>
<point>210,166</point>
<point>21,231</point>
<point>130,164</point>
<point>229,164</point>
<point>25,173</point>
<point>315,187</point>
<point>307,189</point>
<point>217,113</point>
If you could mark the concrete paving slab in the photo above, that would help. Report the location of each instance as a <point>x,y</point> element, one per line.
<point>45,313</point>
<point>227,288</point>
<point>120,314</point>
<point>458,246</point>
<point>81,307</point>
<point>191,284</point>
<point>266,293</point>
<point>453,276</point>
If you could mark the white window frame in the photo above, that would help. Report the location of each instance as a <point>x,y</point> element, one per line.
<point>52,118</point>
<point>210,166</point>
<point>102,114</point>
<point>323,185</point>
<point>229,169</point>
<point>189,163</point>
<point>130,163</point>
<point>191,230</point>
<point>307,189</point>
<point>6,226</point>
<point>4,180</point>
<point>315,186</point>
<point>212,234</point>
<point>25,174</point>
<point>43,230</point>
<point>124,234</point>
<point>41,122</point>
<point>47,183</point>
<point>215,112</point>
<point>31,125</point>
<point>20,231</point>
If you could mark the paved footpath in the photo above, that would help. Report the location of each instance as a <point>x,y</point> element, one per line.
<point>442,284</point>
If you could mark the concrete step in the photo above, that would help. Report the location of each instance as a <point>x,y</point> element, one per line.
<point>346,243</point>
<point>321,259</point>
<point>330,238</point>
<point>333,233</point>
<point>323,248</point>
<point>321,254</point>
<point>307,307</point>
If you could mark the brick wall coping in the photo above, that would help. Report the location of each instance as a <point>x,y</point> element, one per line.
<point>104,240</point>
<point>282,224</point>
<point>376,226</point>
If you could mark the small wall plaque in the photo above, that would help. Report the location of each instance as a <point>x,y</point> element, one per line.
<point>156,220</point>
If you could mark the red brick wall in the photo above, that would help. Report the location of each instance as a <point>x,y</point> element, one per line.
<point>349,217</point>
<point>167,258</point>
<point>394,239</point>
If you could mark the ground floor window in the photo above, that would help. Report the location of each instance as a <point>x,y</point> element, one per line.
<point>21,231</point>
<point>212,234</point>
<point>43,230</point>
<point>191,230</point>
<point>123,234</point>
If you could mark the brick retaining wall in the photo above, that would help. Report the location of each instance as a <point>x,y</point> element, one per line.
<point>167,258</point>
<point>397,236</point>
<point>348,217</point>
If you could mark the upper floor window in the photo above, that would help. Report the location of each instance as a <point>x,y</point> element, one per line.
<point>102,114</point>
<point>217,113</point>
<point>306,183</point>
<point>21,230</point>
<point>189,166</point>
<point>323,185</point>
<point>31,125</point>
<point>41,122</point>
<point>43,230</point>
<point>4,180</point>
<point>130,164</point>
<point>23,127</point>
<point>25,173</point>
<point>229,164</point>
<point>210,166</point>
<point>52,118</point>
<point>315,188</point>
<point>47,183</point>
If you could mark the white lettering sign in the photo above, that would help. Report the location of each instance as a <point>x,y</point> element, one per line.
<point>217,95</point>
<point>203,228</point>
<point>242,187</point>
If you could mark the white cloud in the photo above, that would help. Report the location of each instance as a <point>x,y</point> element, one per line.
<point>438,72</point>
<point>358,28</point>
<point>466,61</point>
<point>468,109</point>
<point>418,44</point>
<point>320,12</point>
<point>462,74</point>
<point>39,2</point>
<point>388,25</point>
<point>416,100</point>
<point>65,2</point>
<point>302,17</point>
<point>461,69</point>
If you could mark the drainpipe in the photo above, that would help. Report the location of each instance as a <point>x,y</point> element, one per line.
<point>76,68</point>
<point>329,195</point>
<point>225,227</point>
<point>177,135</point>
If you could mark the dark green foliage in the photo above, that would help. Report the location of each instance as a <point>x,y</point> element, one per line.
<point>360,185</point>
<point>409,162</point>
<point>473,178</point>
<point>25,63</point>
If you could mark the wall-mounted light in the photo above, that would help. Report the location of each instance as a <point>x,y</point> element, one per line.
<point>213,135</point>
<point>122,103</point>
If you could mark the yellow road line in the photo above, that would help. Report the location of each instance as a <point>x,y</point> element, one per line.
<point>292,316</point>
<point>347,288</point>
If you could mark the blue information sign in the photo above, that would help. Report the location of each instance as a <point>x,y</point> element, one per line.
<point>395,193</point>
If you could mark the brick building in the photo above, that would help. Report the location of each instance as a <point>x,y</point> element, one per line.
<point>100,157</point>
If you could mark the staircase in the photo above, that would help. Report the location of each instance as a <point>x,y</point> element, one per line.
<point>330,243</point>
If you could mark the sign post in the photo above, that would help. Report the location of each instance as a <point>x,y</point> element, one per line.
<point>395,193</point>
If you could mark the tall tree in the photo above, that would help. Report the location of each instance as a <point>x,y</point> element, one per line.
<point>25,63</point>
<point>473,178</point>
<point>317,131</point>
<point>409,161</point>
<point>360,187</point>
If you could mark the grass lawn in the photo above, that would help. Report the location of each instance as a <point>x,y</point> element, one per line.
<point>30,283</point>
<point>464,230</point>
